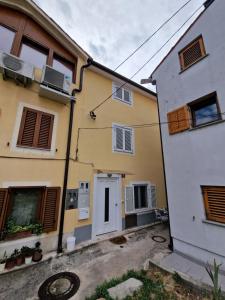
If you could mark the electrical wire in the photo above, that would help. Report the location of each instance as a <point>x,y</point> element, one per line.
<point>153,56</point>
<point>152,35</point>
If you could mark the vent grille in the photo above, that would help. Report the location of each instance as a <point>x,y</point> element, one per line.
<point>214,198</point>
<point>12,63</point>
<point>54,78</point>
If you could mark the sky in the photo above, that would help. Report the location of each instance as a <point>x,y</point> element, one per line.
<point>109,30</point>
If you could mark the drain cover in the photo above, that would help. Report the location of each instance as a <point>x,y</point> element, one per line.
<point>158,239</point>
<point>119,240</point>
<point>60,286</point>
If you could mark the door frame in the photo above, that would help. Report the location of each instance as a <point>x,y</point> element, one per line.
<point>118,209</point>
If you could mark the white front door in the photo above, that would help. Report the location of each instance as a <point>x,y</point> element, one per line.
<point>107,205</point>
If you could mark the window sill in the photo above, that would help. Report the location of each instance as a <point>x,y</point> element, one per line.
<point>203,57</point>
<point>123,101</point>
<point>206,125</point>
<point>213,223</point>
<point>122,152</point>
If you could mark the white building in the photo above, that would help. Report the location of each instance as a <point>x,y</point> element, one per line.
<point>191,94</point>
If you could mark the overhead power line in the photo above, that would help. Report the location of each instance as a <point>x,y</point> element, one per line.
<point>152,35</point>
<point>153,56</point>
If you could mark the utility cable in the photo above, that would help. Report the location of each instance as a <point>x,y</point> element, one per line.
<point>152,35</point>
<point>153,56</point>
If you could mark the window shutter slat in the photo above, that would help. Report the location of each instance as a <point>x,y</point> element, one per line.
<point>3,206</point>
<point>178,120</point>
<point>214,199</point>
<point>51,209</point>
<point>119,138</point>
<point>128,140</point>
<point>153,195</point>
<point>129,199</point>
<point>27,128</point>
<point>45,132</point>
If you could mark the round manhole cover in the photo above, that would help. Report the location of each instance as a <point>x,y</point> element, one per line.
<point>158,239</point>
<point>61,286</point>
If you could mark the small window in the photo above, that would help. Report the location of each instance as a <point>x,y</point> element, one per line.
<point>192,53</point>
<point>6,39</point>
<point>35,129</point>
<point>33,54</point>
<point>205,110</point>
<point>64,67</point>
<point>25,204</point>
<point>140,196</point>
<point>123,139</point>
<point>121,94</point>
<point>214,200</point>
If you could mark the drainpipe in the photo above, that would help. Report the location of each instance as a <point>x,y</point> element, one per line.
<point>66,171</point>
<point>170,245</point>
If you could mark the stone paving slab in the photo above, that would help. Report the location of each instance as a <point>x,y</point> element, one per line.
<point>124,289</point>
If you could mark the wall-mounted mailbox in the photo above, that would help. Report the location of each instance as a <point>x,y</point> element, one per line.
<point>83,213</point>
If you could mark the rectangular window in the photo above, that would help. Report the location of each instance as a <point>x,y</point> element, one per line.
<point>34,54</point>
<point>192,53</point>
<point>123,139</point>
<point>122,94</point>
<point>6,39</point>
<point>35,129</point>
<point>106,205</point>
<point>64,67</point>
<point>25,204</point>
<point>205,110</point>
<point>214,200</point>
<point>140,196</point>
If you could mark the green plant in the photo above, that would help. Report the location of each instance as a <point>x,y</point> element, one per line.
<point>27,251</point>
<point>12,227</point>
<point>214,276</point>
<point>36,228</point>
<point>3,259</point>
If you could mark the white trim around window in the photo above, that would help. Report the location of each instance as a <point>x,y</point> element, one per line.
<point>15,148</point>
<point>122,138</point>
<point>122,94</point>
<point>130,197</point>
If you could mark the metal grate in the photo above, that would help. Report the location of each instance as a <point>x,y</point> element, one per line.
<point>12,63</point>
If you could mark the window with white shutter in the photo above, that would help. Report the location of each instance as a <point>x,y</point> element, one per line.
<point>122,94</point>
<point>140,196</point>
<point>123,139</point>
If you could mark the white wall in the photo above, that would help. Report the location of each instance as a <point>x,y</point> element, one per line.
<point>195,157</point>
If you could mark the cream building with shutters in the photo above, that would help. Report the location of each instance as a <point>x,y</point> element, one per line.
<point>115,172</point>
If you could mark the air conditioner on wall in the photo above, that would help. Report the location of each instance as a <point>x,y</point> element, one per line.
<point>56,80</point>
<point>15,68</point>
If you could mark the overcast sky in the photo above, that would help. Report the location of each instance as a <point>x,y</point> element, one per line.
<point>109,30</point>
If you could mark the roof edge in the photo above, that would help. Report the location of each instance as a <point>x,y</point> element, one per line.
<point>121,77</point>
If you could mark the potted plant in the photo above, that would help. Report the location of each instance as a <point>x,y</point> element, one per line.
<point>27,252</point>
<point>14,231</point>
<point>37,253</point>
<point>19,257</point>
<point>2,262</point>
<point>10,262</point>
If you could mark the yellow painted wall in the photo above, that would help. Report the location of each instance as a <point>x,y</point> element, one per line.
<point>95,146</point>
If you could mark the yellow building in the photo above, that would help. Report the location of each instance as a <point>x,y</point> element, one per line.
<point>110,177</point>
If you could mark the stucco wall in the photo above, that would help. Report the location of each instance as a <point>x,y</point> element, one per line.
<point>195,157</point>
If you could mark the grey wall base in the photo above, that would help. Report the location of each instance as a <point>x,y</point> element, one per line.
<point>83,233</point>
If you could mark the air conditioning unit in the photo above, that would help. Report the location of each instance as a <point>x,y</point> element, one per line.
<point>56,80</point>
<point>15,68</point>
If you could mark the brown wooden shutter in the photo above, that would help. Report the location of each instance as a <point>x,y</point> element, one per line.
<point>28,128</point>
<point>3,206</point>
<point>214,199</point>
<point>50,209</point>
<point>35,129</point>
<point>45,131</point>
<point>178,120</point>
<point>192,53</point>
